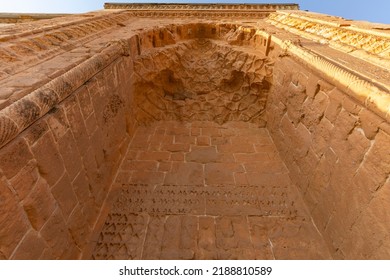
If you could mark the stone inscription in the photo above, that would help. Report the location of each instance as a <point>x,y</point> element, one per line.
<point>210,200</point>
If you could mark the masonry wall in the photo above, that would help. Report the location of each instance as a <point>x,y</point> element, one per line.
<point>337,152</point>
<point>54,177</point>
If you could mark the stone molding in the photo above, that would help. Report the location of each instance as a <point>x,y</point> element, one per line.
<point>21,114</point>
<point>201,7</point>
<point>340,35</point>
<point>25,17</point>
<point>258,11</point>
<point>28,48</point>
<point>202,14</point>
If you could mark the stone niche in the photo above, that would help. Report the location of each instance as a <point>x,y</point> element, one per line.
<point>204,80</point>
<point>80,91</point>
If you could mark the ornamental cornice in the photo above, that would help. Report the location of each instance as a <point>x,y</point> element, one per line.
<point>201,7</point>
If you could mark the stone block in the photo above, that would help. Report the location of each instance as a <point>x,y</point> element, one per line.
<point>370,123</point>
<point>58,122</point>
<point>190,173</point>
<point>241,148</point>
<point>78,128</point>
<point>202,154</point>
<point>179,156</point>
<point>184,139</point>
<point>251,157</point>
<point>240,178</point>
<point>25,180</point>
<point>333,109</point>
<point>343,125</point>
<point>98,147</point>
<point>321,136</point>
<point>147,177</point>
<point>261,179</point>
<point>91,125</point>
<point>14,157</point>
<point>203,141</point>
<point>314,110</point>
<point>312,86</point>
<point>301,140</point>
<point>64,195</point>
<point>367,235</point>
<point>211,131</point>
<point>13,221</point>
<point>140,165</point>
<point>377,161</point>
<point>206,239</point>
<point>36,131</point>
<point>30,248</point>
<point>82,188</point>
<point>351,106</point>
<point>379,203</point>
<point>164,166</point>
<point>56,235</point>
<point>221,173</point>
<point>176,147</point>
<point>153,239</point>
<point>196,131</point>
<point>170,249</point>
<point>70,154</point>
<point>39,204</point>
<point>84,101</point>
<point>79,228</point>
<point>49,160</point>
<point>219,140</point>
<point>266,166</point>
<point>154,155</point>
<point>383,252</point>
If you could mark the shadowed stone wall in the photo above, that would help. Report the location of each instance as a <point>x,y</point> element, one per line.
<point>56,174</point>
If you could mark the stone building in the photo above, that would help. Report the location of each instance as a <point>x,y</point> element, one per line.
<point>194,131</point>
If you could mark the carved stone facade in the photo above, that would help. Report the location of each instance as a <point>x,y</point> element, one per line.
<point>245,131</point>
<point>201,80</point>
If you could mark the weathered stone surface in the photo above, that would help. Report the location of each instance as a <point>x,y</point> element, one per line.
<point>202,154</point>
<point>174,86</point>
<point>333,156</point>
<point>12,219</point>
<point>14,157</point>
<point>68,113</point>
<point>39,204</point>
<point>25,180</point>
<point>64,195</point>
<point>49,160</point>
<point>185,173</point>
<point>56,235</point>
<point>30,248</point>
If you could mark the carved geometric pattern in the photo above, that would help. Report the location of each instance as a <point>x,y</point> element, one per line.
<point>202,80</point>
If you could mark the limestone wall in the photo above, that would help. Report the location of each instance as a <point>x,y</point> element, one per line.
<point>64,129</point>
<point>56,174</point>
<point>338,154</point>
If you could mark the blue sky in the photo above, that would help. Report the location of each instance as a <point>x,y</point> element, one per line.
<point>373,10</point>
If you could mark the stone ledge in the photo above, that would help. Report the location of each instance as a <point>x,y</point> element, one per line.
<point>26,17</point>
<point>22,113</point>
<point>201,7</point>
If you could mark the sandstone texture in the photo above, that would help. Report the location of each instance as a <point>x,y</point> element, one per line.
<point>244,131</point>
